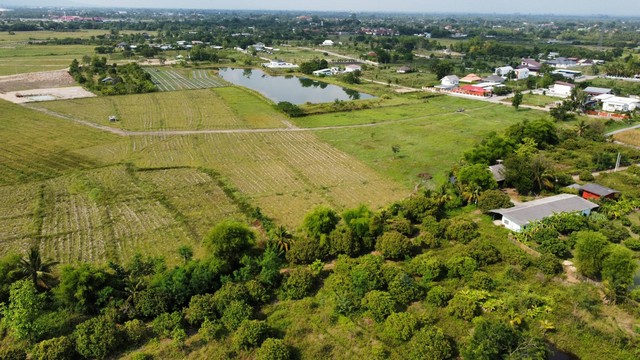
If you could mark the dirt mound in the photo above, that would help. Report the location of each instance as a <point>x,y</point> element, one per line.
<point>37,80</point>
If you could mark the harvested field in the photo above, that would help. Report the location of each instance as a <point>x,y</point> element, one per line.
<point>38,95</point>
<point>224,108</point>
<point>37,80</point>
<point>170,80</point>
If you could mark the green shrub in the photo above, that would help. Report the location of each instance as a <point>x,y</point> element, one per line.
<point>60,348</point>
<point>399,224</point>
<point>462,230</point>
<point>380,304</point>
<point>96,338</point>
<point>400,326</point>
<point>250,334</point>
<point>211,330</point>
<point>430,344</point>
<point>484,253</point>
<point>438,296</point>
<point>635,229</point>
<point>178,338</point>
<point>585,175</point>
<point>482,281</point>
<point>461,267</point>
<point>298,283</point>
<point>393,245</point>
<point>142,356</point>
<point>12,352</point>
<point>306,251</point>
<point>228,240</point>
<point>404,289</point>
<point>493,199</point>
<point>430,268</point>
<point>165,323</point>
<point>228,293</point>
<point>549,264</point>
<point>273,349</point>
<point>235,314</point>
<point>615,233</point>
<point>135,331</point>
<point>465,304</point>
<point>258,294</point>
<point>632,244</point>
<point>200,308</point>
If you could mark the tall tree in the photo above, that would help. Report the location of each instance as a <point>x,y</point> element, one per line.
<point>32,266</point>
<point>517,99</point>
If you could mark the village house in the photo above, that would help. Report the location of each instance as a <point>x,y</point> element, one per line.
<point>450,81</point>
<point>596,91</point>
<point>404,70</point>
<point>612,103</point>
<point>503,71</point>
<point>595,191</point>
<point>327,43</point>
<point>279,64</point>
<point>498,172</point>
<point>473,90</point>
<point>352,68</point>
<point>471,78</point>
<point>494,79</point>
<point>521,73</point>
<point>520,216</point>
<point>530,64</point>
<point>324,72</point>
<point>561,89</point>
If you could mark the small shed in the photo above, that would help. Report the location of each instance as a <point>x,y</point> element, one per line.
<point>498,172</point>
<point>113,118</point>
<point>595,191</point>
<point>404,70</point>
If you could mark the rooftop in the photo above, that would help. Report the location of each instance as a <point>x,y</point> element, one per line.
<point>599,190</point>
<point>539,209</point>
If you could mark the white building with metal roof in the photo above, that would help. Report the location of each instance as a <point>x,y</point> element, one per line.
<point>519,216</point>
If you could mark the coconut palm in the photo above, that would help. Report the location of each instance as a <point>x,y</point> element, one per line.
<point>32,266</point>
<point>282,238</point>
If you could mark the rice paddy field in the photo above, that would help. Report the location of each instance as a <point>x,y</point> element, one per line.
<point>171,80</point>
<point>222,108</point>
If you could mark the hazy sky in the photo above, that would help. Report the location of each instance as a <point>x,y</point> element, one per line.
<point>584,7</point>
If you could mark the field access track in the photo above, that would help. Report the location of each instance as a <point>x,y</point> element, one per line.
<point>172,80</point>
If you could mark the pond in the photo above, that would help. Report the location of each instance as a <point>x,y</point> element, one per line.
<point>290,88</point>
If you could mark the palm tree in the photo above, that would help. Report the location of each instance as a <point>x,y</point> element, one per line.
<point>38,270</point>
<point>282,238</point>
<point>581,128</point>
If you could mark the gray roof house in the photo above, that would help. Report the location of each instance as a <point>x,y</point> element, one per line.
<point>595,91</point>
<point>498,172</point>
<point>518,217</point>
<point>595,191</point>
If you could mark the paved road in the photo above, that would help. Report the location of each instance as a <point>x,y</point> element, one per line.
<point>622,130</point>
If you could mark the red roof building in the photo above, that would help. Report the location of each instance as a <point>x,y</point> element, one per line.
<point>473,90</point>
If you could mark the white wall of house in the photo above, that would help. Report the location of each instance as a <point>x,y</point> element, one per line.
<point>562,90</point>
<point>449,82</point>
<point>503,71</point>
<point>522,74</point>
<point>511,225</point>
<point>619,104</point>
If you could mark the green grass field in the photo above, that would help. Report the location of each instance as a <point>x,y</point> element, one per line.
<point>170,80</point>
<point>22,58</point>
<point>224,108</point>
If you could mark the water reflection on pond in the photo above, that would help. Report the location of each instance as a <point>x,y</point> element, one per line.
<point>290,88</point>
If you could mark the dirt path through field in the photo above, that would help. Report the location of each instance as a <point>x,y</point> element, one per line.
<point>289,126</point>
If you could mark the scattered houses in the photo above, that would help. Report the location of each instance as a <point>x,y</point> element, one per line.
<point>530,64</point>
<point>561,89</point>
<point>327,43</point>
<point>279,64</point>
<point>518,217</point>
<point>503,71</point>
<point>494,79</point>
<point>352,68</point>
<point>596,91</point>
<point>325,72</point>
<point>473,90</point>
<point>521,73</point>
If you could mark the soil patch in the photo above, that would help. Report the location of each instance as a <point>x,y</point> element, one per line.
<point>35,95</point>
<point>37,80</point>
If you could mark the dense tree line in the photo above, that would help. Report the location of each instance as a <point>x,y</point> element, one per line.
<point>98,76</point>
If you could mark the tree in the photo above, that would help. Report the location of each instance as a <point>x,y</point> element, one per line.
<point>517,99</point>
<point>185,252</point>
<point>319,223</point>
<point>441,68</point>
<point>229,240</point>
<point>96,338</point>
<point>281,238</point>
<point>201,307</point>
<point>477,176</point>
<point>60,348</point>
<point>38,270</point>
<point>250,334</point>
<point>380,304</point>
<point>273,349</point>
<point>618,269</point>
<point>298,283</point>
<point>590,252</point>
<point>290,109</point>
<point>84,289</point>
<point>235,314</point>
<point>400,326</point>
<point>25,307</point>
<point>394,245</point>
<point>9,264</point>
<point>493,199</point>
<point>491,340</point>
<point>430,344</point>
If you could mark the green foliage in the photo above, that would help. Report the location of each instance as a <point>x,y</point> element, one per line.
<point>461,230</point>
<point>492,148</point>
<point>250,334</point>
<point>289,109</point>
<point>310,66</point>
<point>142,356</point>
<point>465,304</point>
<point>393,245</point>
<point>493,199</point>
<point>201,307</point>
<point>273,349</point>
<point>549,264</point>
<point>25,307</point>
<point>135,331</point>
<point>632,244</point>
<point>483,252</point>
<point>85,288</point>
<point>229,240</point>
<point>60,348</point>
<point>619,268</point>
<point>400,326</point>
<point>165,323</point>
<point>399,224</point>
<point>298,283</point>
<point>344,241</point>
<point>404,289</point>
<point>517,99</point>
<point>461,267</point>
<point>427,266</point>
<point>591,250</point>
<point>482,281</point>
<point>438,296</point>
<point>178,338</point>
<point>228,293</point>
<point>379,304</point>
<point>97,338</point>
<point>9,263</point>
<point>430,344</point>
<point>491,340</point>
<point>306,251</point>
<point>211,330</point>
<point>235,314</point>
<point>549,241</point>
<point>477,176</point>
<point>585,175</point>
<point>12,352</point>
<point>319,222</point>
<point>613,232</point>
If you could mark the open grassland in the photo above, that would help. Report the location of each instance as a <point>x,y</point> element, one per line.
<point>21,58</point>
<point>631,137</point>
<point>25,36</point>
<point>35,146</point>
<point>168,79</point>
<point>431,137</point>
<point>537,100</point>
<point>225,108</point>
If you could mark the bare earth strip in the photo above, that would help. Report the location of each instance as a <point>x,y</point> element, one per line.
<point>37,80</point>
<point>34,95</point>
